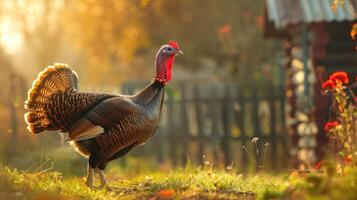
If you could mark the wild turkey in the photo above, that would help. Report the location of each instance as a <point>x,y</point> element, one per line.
<point>102,127</point>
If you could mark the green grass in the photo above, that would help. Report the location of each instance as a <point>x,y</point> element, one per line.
<point>197,183</point>
<point>183,184</point>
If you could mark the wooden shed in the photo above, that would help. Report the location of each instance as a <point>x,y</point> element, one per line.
<point>316,41</point>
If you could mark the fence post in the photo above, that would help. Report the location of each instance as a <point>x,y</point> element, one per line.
<point>158,146</point>
<point>256,123</point>
<point>239,115</point>
<point>273,138</point>
<point>201,143</point>
<point>213,109</point>
<point>225,146</point>
<point>184,125</point>
<point>170,129</point>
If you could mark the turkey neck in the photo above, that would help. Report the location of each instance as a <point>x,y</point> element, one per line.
<point>151,97</point>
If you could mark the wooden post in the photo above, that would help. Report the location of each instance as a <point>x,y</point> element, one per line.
<point>273,138</point>
<point>158,146</point>
<point>239,115</point>
<point>170,129</point>
<point>201,143</point>
<point>256,123</point>
<point>184,125</point>
<point>225,146</point>
<point>213,109</point>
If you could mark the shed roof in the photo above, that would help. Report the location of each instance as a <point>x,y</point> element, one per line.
<point>284,12</point>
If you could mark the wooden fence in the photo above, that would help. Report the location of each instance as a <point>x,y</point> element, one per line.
<point>212,122</point>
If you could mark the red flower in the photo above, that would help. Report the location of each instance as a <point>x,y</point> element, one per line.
<point>347,159</point>
<point>356,99</point>
<point>341,76</point>
<point>330,125</point>
<point>328,85</point>
<point>319,165</point>
<point>166,193</point>
<point>225,29</point>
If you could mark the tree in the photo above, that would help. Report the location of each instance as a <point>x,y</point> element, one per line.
<point>127,32</point>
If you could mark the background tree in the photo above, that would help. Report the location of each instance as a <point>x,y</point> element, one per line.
<point>126,32</point>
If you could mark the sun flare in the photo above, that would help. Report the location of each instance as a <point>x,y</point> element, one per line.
<point>10,39</point>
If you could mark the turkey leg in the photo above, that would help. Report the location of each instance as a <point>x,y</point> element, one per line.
<point>89,181</point>
<point>103,180</point>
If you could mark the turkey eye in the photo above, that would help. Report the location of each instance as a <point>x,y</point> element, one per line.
<point>169,49</point>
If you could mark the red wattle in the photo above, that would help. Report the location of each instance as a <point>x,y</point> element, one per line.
<point>168,64</point>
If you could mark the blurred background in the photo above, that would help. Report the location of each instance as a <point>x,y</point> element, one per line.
<point>250,69</point>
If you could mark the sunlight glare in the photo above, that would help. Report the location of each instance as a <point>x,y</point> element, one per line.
<point>10,39</point>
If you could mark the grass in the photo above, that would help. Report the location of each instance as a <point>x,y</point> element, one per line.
<point>196,183</point>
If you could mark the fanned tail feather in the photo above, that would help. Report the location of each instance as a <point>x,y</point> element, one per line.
<point>53,80</point>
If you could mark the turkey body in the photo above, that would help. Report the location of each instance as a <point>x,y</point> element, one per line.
<point>126,121</point>
<point>100,126</point>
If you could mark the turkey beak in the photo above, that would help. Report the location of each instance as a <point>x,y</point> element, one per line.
<point>179,52</point>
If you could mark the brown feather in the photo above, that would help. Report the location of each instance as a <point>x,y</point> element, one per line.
<point>54,102</point>
<point>84,129</point>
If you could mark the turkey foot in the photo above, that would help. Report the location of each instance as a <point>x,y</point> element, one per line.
<point>104,183</point>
